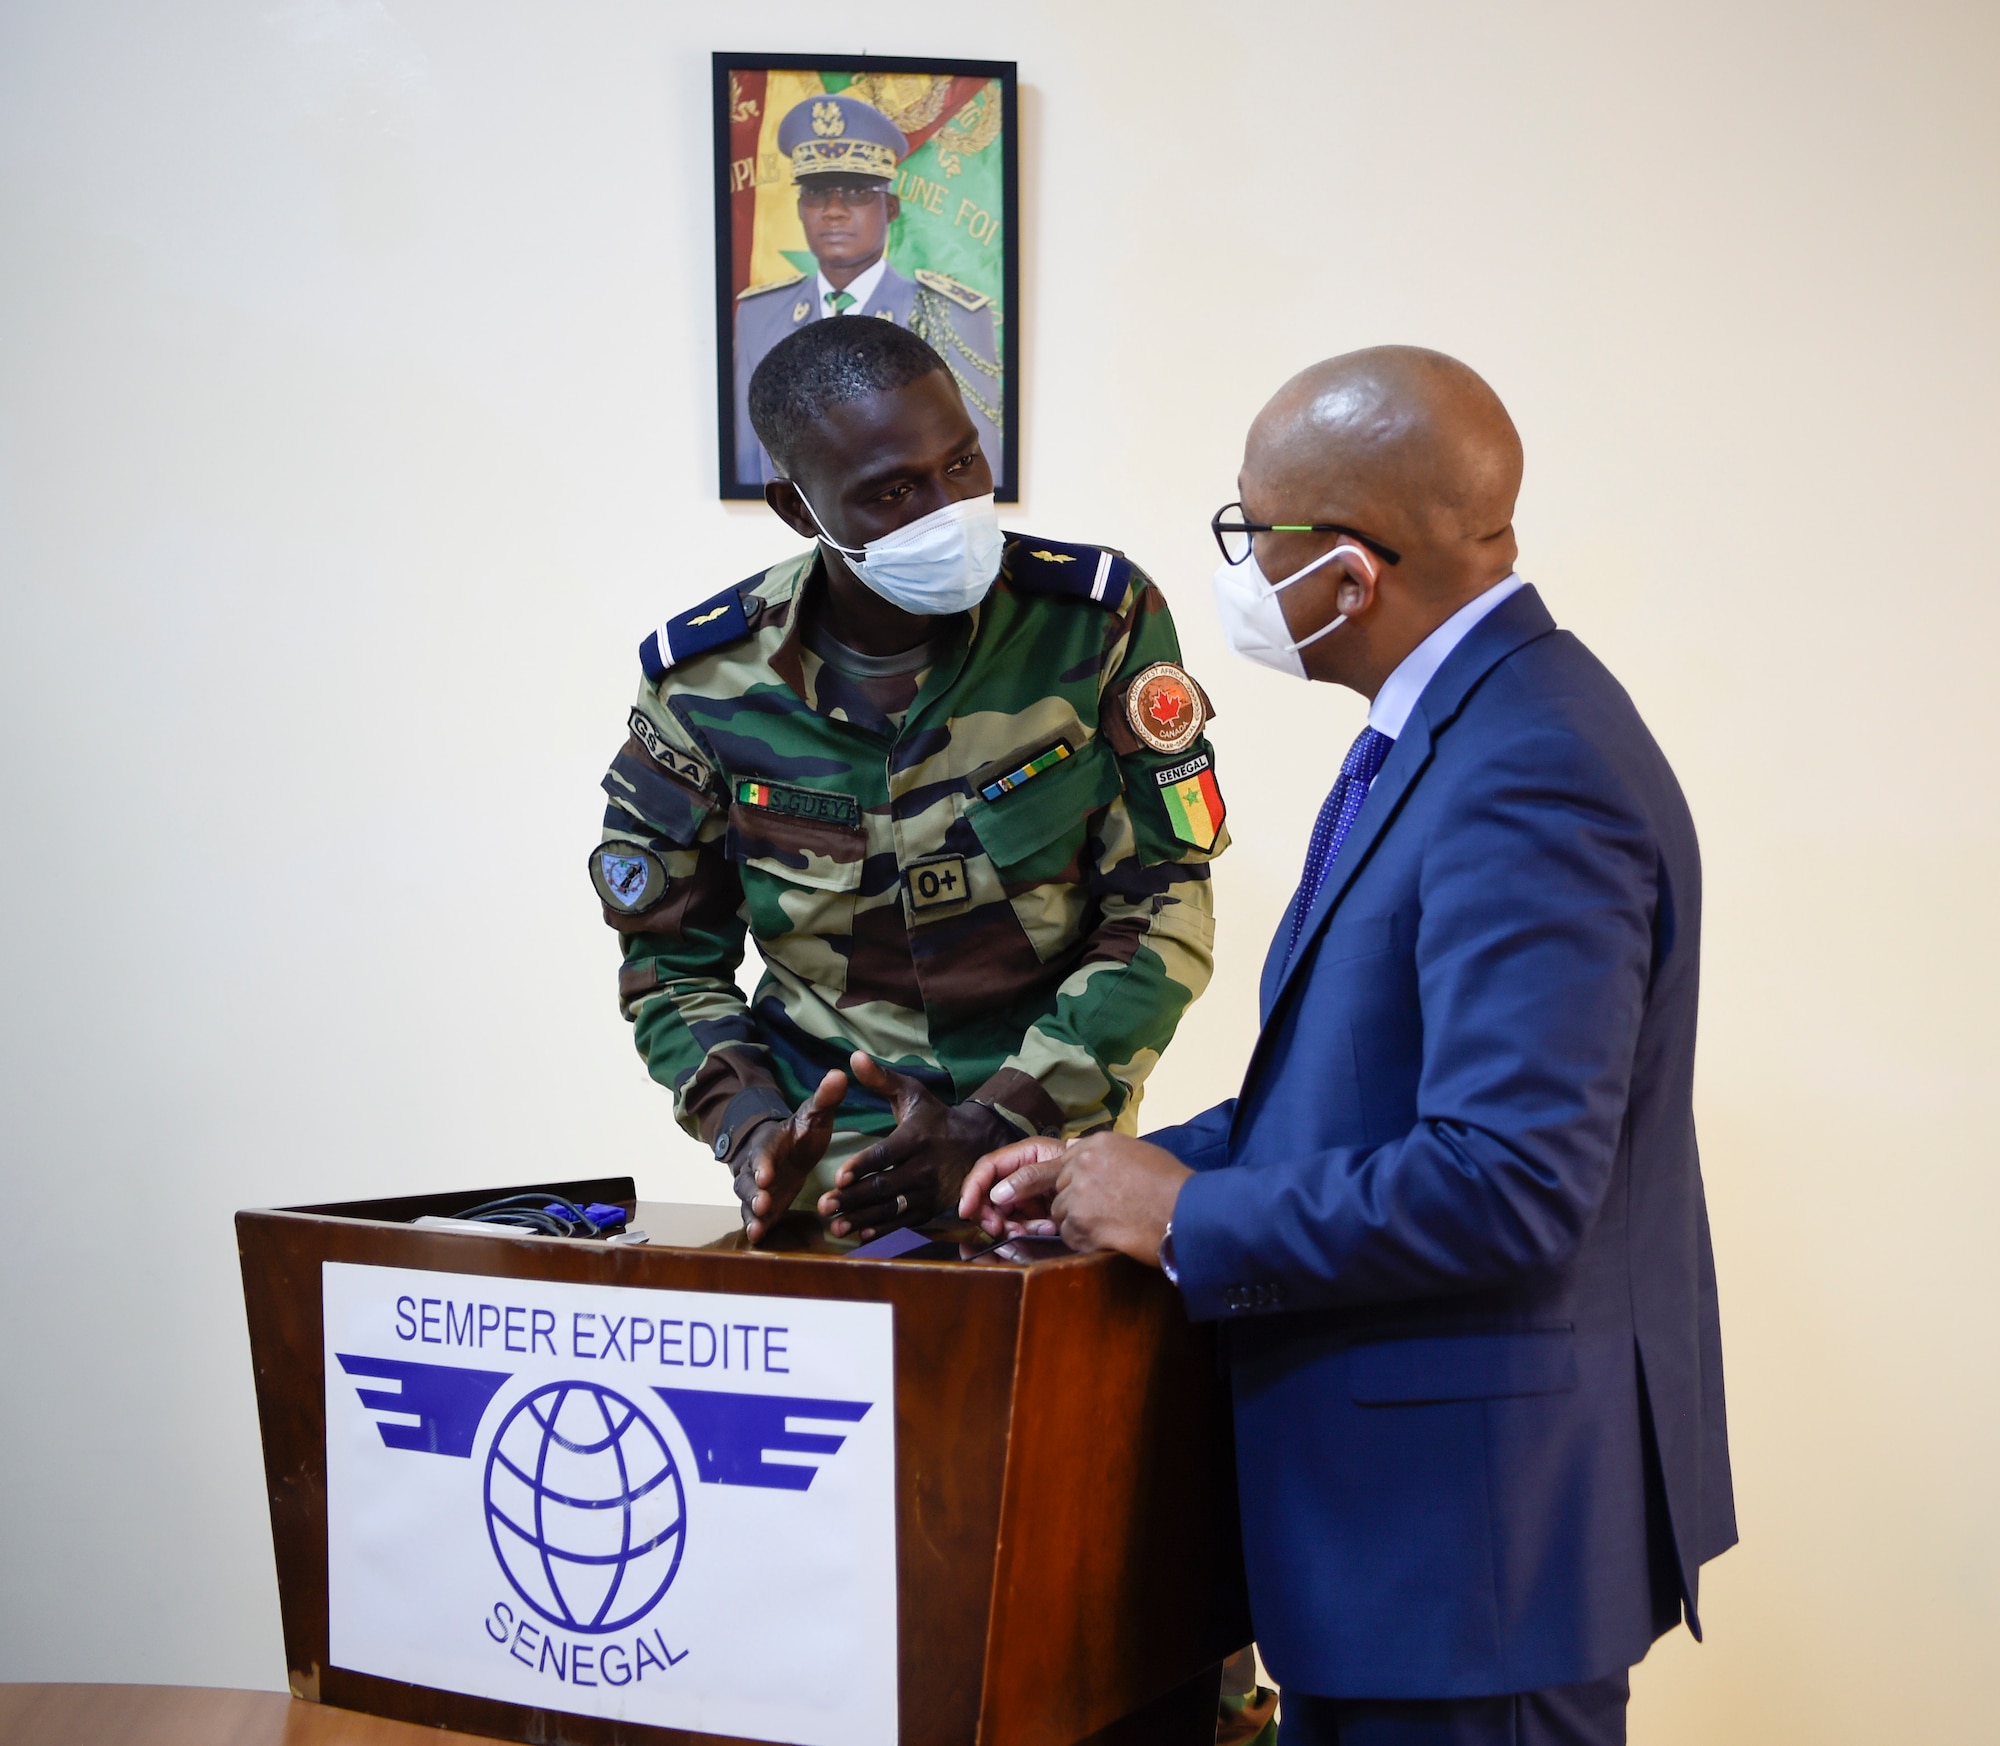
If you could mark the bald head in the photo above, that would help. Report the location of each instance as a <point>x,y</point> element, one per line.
<point>1407,444</point>
<point>1407,448</point>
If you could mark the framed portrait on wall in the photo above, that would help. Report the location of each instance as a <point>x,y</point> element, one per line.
<point>870,188</point>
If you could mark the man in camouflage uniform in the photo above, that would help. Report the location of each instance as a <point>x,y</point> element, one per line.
<point>843,153</point>
<point>972,848</point>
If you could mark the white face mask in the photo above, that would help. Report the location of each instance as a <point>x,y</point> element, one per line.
<point>1253,621</point>
<point>940,563</point>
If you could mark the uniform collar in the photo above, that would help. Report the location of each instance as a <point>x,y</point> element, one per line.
<point>785,605</point>
<point>860,290</point>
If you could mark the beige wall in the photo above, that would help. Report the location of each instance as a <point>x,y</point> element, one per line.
<point>356,389</point>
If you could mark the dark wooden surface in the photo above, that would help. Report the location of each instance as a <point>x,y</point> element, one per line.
<point>186,1715</point>
<point>1096,1480</point>
<point>191,1715</point>
<point>1185,1716</point>
<point>1118,1573</point>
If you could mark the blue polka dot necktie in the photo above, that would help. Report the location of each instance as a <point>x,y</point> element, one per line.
<point>1336,818</point>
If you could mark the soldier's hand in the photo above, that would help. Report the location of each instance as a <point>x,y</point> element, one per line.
<point>779,1156</point>
<point>915,1173</point>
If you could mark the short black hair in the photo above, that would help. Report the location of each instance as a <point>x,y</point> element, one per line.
<point>826,364</point>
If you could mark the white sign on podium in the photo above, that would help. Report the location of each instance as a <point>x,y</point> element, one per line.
<point>675,1508</point>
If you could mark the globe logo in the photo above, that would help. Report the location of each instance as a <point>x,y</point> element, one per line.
<point>584,1506</point>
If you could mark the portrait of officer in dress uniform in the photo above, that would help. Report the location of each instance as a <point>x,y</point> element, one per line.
<point>843,154</point>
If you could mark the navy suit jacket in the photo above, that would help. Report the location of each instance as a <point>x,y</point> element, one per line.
<point>1454,1219</point>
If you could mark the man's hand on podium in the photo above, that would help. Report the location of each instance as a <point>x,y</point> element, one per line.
<point>777,1157</point>
<point>1104,1191</point>
<point>914,1174</point>
<point>1009,1191</point>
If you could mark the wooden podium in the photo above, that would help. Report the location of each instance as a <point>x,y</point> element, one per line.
<point>1066,1552</point>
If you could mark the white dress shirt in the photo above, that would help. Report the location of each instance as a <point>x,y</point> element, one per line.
<point>1391,709</point>
<point>860,289</point>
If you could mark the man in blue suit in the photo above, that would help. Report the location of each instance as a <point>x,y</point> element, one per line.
<point>1454,1220</point>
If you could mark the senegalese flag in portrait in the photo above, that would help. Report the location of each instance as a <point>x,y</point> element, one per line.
<point>1194,802</point>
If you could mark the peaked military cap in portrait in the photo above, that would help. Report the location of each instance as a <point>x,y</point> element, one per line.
<point>841,136</point>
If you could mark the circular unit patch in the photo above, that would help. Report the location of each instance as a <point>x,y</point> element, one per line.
<point>1164,707</point>
<point>628,878</point>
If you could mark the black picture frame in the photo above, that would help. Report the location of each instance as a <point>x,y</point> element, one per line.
<point>1006,331</point>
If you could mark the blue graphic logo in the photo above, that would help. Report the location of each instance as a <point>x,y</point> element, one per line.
<point>734,1434</point>
<point>445,1401</point>
<point>584,1507</point>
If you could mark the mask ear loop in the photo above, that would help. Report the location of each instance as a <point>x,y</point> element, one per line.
<point>1300,575</point>
<point>826,538</point>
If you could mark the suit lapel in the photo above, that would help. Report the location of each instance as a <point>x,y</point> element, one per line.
<point>1405,763</point>
<point>1274,964</point>
<point>1516,621</point>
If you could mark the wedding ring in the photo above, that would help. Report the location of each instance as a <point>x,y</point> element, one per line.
<point>902,1204</point>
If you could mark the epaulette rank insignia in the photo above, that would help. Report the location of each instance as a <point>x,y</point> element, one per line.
<point>1094,573</point>
<point>719,619</point>
<point>963,295</point>
<point>769,285</point>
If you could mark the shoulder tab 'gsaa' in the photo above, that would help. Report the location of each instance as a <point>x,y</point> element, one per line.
<point>717,620</point>
<point>1094,573</point>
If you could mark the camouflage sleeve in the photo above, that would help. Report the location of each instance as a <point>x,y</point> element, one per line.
<point>673,896</point>
<point>1151,952</point>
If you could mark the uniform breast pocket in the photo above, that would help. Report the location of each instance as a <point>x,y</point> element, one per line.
<point>1034,834</point>
<point>801,875</point>
<point>1035,829</point>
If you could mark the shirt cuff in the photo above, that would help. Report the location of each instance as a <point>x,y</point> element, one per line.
<point>1021,1099</point>
<point>724,1075</point>
<point>749,1108</point>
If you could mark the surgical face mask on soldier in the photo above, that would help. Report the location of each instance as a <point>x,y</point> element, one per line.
<point>1253,621</point>
<point>940,563</point>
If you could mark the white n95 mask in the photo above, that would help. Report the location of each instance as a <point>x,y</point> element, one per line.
<point>1253,621</point>
<point>940,563</point>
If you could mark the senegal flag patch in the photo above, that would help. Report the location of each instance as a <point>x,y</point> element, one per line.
<point>1194,803</point>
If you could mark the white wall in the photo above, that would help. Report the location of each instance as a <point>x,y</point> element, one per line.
<point>356,397</point>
